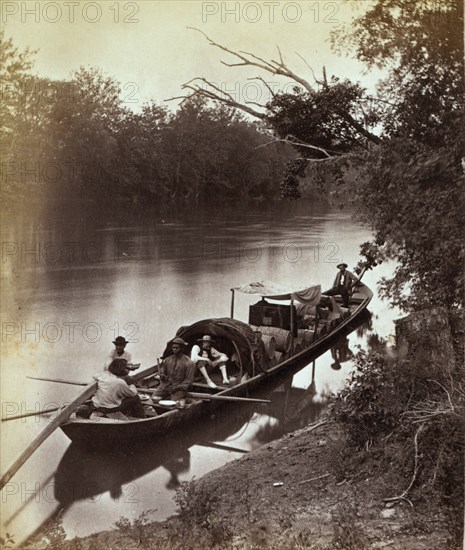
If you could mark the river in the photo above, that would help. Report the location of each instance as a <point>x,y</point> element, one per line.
<point>74,277</point>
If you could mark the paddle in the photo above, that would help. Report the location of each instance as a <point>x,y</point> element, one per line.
<point>221,447</point>
<point>53,409</point>
<point>204,396</point>
<point>209,397</point>
<point>60,418</point>
<point>60,380</point>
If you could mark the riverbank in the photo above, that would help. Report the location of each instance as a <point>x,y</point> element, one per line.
<point>292,493</point>
<point>386,475</point>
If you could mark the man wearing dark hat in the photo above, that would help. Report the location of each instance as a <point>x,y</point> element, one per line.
<point>176,374</point>
<point>205,355</point>
<point>342,283</point>
<point>120,353</point>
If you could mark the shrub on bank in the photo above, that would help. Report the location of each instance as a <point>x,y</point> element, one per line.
<point>404,412</point>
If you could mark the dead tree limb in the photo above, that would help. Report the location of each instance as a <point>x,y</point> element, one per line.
<point>415,471</point>
<point>291,140</point>
<point>250,59</point>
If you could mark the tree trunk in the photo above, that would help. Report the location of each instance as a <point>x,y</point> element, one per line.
<point>426,336</point>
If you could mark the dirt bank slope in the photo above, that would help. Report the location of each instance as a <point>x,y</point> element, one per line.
<point>292,493</point>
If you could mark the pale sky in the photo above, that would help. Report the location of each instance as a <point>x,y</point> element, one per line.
<point>146,46</point>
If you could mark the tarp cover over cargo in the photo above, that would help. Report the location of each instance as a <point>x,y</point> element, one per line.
<point>233,337</point>
<point>274,291</point>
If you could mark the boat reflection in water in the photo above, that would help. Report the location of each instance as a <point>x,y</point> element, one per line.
<point>92,489</point>
<point>84,473</point>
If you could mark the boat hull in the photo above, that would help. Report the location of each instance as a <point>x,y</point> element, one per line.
<point>107,432</point>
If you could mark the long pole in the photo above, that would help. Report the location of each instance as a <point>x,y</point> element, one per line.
<point>204,396</point>
<point>209,397</point>
<point>292,326</point>
<point>60,380</point>
<point>45,411</point>
<point>232,303</point>
<point>62,417</point>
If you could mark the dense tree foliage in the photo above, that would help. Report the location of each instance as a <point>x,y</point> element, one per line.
<point>405,143</point>
<point>410,189</point>
<point>326,118</point>
<point>409,186</point>
<point>78,138</point>
<point>420,45</point>
<point>412,196</point>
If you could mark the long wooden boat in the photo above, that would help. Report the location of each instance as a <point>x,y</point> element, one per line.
<point>306,331</point>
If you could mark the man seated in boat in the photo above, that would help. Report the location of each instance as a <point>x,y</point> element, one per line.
<point>176,375</point>
<point>116,392</point>
<point>120,353</point>
<point>205,355</point>
<point>342,284</point>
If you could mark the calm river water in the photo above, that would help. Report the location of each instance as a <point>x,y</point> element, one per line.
<point>75,277</point>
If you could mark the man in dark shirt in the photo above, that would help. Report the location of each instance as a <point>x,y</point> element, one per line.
<point>176,374</point>
<point>342,283</point>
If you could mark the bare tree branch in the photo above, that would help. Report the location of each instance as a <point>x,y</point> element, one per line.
<point>273,95</point>
<point>252,60</point>
<point>275,68</point>
<point>415,471</point>
<point>291,140</point>
<point>225,98</point>
<point>311,70</point>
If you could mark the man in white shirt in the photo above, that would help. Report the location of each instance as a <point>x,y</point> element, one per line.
<point>115,393</point>
<point>205,355</point>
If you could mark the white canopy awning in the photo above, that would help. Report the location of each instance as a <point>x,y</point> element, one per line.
<point>310,295</point>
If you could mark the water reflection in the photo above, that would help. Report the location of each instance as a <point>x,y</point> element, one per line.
<point>160,269</point>
<point>293,409</point>
<point>341,353</point>
<point>83,474</point>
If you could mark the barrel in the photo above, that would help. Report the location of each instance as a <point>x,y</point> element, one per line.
<point>306,335</point>
<point>281,336</point>
<point>270,345</point>
<point>278,357</point>
<point>298,345</point>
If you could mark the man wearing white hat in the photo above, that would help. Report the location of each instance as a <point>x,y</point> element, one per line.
<point>205,355</point>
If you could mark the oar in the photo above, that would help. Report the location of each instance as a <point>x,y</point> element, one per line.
<point>60,380</point>
<point>222,447</point>
<point>208,397</point>
<point>53,409</point>
<point>204,396</point>
<point>60,418</point>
